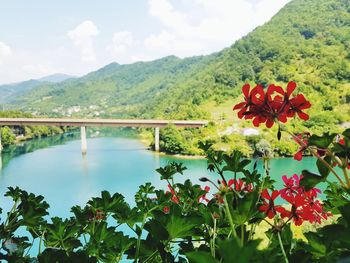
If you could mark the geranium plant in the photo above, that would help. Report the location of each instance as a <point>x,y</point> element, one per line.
<point>217,221</point>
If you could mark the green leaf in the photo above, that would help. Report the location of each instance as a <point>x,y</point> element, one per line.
<point>322,168</point>
<point>232,251</point>
<point>346,133</point>
<point>243,208</point>
<point>234,163</point>
<point>59,256</point>
<point>321,141</point>
<point>335,235</point>
<point>182,226</point>
<point>317,247</point>
<point>310,180</point>
<point>169,170</point>
<point>200,257</point>
<point>62,234</point>
<point>345,212</point>
<point>108,203</point>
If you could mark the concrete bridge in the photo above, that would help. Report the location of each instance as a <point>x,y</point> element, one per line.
<point>83,123</point>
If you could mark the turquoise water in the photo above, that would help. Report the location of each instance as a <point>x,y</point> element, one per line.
<point>65,178</point>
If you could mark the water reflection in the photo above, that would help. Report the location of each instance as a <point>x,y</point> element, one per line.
<point>24,147</point>
<point>13,151</point>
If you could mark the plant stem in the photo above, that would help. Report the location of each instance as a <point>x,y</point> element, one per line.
<point>40,241</point>
<point>138,243</point>
<point>345,171</point>
<point>282,248</point>
<point>31,245</point>
<point>212,246</point>
<point>11,211</point>
<point>220,172</point>
<point>315,154</point>
<point>229,217</point>
<point>151,256</point>
<point>242,235</point>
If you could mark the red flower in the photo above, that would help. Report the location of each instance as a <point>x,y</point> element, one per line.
<point>203,197</point>
<point>219,198</point>
<point>100,215</point>
<point>166,209</point>
<point>174,197</point>
<point>302,140</point>
<point>296,214</point>
<point>290,185</point>
<point>251,98</point>
<point>269,207</point>
<point>276,104</point>
<point>297,104</point>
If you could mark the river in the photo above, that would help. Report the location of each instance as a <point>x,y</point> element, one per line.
<point>55,168</point>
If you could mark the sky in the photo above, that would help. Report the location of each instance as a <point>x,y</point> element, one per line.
<point>43,37</point>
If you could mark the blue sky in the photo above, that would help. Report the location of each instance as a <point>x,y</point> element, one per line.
<point>42,37</point>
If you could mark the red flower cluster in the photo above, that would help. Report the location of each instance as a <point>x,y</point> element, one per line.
<point>302,140</point>
<point>303,204</point>
<point>238,185</point>
<point>273,105</point>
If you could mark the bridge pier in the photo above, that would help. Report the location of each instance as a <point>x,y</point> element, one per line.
<point>0,143</point>
<point>83,140</point>
<point>156,139</point>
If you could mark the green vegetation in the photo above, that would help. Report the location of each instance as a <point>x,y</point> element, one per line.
<point>307,42</point>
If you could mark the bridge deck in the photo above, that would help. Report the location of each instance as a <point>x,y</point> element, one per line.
<point>99,122</point>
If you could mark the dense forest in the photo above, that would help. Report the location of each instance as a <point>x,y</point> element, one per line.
<point>308,42</point>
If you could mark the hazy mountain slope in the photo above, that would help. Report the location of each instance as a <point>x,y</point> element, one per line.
<point>113,89</point>
<point>10,91</point>
<point>308,41</point>
<point>58,77</point>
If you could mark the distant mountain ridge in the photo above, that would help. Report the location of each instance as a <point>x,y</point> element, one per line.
<point>58,77</point>
<point>9,91</point>
<point>307,41</point>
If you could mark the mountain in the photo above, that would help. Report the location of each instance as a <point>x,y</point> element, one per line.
<point>118,90</point>
<point>11,91</point>
<point>308,41</point>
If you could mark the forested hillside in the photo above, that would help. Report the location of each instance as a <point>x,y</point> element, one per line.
<point>118,90</point>
<point>308,42</point>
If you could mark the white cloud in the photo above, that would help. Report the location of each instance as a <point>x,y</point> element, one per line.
<point>39,69</point>
<point>166,43</point>
<point>205,26</point>
<point>82,37</point>
<point>166,13</point>
<point>183,28</point>
<point>121,42</point>
<point>5,51</point>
